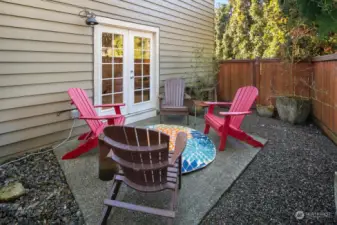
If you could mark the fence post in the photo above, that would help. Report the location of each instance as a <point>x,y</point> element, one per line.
<point>256,75</point>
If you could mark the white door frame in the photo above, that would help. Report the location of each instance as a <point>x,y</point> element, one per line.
<point>106,22</point>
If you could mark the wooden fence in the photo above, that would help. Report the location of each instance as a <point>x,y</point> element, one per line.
<point>273,77</point>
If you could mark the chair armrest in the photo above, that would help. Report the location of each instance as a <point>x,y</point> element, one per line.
<point>179,147</point>
<point>218,103</point>
<point>100,117</point>
<point>109,105</point>
<point>235,113</point>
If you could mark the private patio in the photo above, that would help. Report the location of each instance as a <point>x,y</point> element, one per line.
<point>293,172</point>
<point>200,190</point>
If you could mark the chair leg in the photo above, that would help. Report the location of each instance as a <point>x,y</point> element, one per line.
<point>159,118</point>
<point>224,134</point>
<point>206,130</point>
<point>83,148</point>
<point>84,136</point>
<point>242,136</point>
<point>112,195</point>
<point>222,145</point>
<point>188,120</point>
<point>180,163</point>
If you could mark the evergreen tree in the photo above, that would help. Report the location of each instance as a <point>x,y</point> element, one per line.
<point>236,41</point>
<point>275,31</point>
<point>221,20</point>
<point>320,13</point>
<point>257,28</point>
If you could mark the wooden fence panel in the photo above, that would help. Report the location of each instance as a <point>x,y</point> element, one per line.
<point>233,75</point>
<point>316,80</point>
<point>325,94</point>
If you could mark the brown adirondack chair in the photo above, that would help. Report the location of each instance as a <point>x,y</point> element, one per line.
<point>146,166</point>
<point>172,103</point>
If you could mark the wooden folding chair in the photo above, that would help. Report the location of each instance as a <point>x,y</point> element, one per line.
<point>230,124</point>
<point>172,102</point>
<point>87,112</point>
<point>146,165</point>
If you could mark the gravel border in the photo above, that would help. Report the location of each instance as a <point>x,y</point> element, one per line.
<point>293,172</point>
<point>48,199</point>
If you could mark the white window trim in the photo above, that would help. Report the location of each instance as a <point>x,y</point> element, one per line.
<point>132,26</point>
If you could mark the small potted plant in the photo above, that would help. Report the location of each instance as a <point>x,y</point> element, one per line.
<point>203,83</point>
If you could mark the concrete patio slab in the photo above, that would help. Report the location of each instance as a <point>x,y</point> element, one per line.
<point>200,189</point>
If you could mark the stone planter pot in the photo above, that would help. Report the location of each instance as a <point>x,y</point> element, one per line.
<point>293,109</point>
<point>265,110</point>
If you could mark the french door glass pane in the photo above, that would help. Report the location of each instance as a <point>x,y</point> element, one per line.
<point>118,85</point>
<point>142,72</point>
<point>138,69</point>
<point>106,71</point>
<point>106,86</point>
<point>118,70</point>
<point>138,96</point>
<point>112,68</point>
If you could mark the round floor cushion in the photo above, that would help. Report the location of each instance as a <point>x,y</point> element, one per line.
<point>200,150</point>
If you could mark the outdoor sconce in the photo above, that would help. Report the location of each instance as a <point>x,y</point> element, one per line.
<point>91,20</point>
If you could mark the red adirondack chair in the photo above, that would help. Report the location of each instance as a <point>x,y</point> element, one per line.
<point>230,124</point>
<point>87,112</point>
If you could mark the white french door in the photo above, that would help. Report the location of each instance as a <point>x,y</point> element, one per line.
<point>124,69</point>
<point>141,72</point>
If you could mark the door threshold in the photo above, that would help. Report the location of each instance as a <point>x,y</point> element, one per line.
<point>142,115</point>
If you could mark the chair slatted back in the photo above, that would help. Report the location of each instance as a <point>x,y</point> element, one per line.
<point>82,102</point>
<point>243,101</point>
<point>174,92</point>
<point>141,153</point>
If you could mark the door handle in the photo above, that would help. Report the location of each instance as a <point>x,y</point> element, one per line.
<point>131,77</point>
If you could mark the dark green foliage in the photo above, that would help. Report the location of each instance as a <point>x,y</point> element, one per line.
<point>275,30</point>
<point>257,28</point>
<point>222,15</point>
<point>236,41</point>
<point>320,13</point>
<point>297,29</point>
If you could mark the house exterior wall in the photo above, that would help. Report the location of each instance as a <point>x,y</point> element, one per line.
<point>46,48</point>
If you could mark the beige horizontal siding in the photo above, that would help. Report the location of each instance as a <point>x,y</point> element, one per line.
<point>43,46</point>
<point>174,59</point>
<point>35,121</point>
<point>40,35</point>
<point>181,10</point>
<point>43,78</point>
<point>33,132</point>
<point>181,54</point>
<point>19,56</point>
<point>11,150</point>
<point>15,68</point>
<point>33,110</point>
<point>46,48</point>
<point>37,24</point>
<point>38,89</point>
<point>22,102</point>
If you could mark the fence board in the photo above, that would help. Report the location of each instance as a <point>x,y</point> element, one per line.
<point>316,80</point>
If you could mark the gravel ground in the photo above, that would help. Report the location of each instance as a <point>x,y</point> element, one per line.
<point>294,172</point>
<point>48,199</point>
